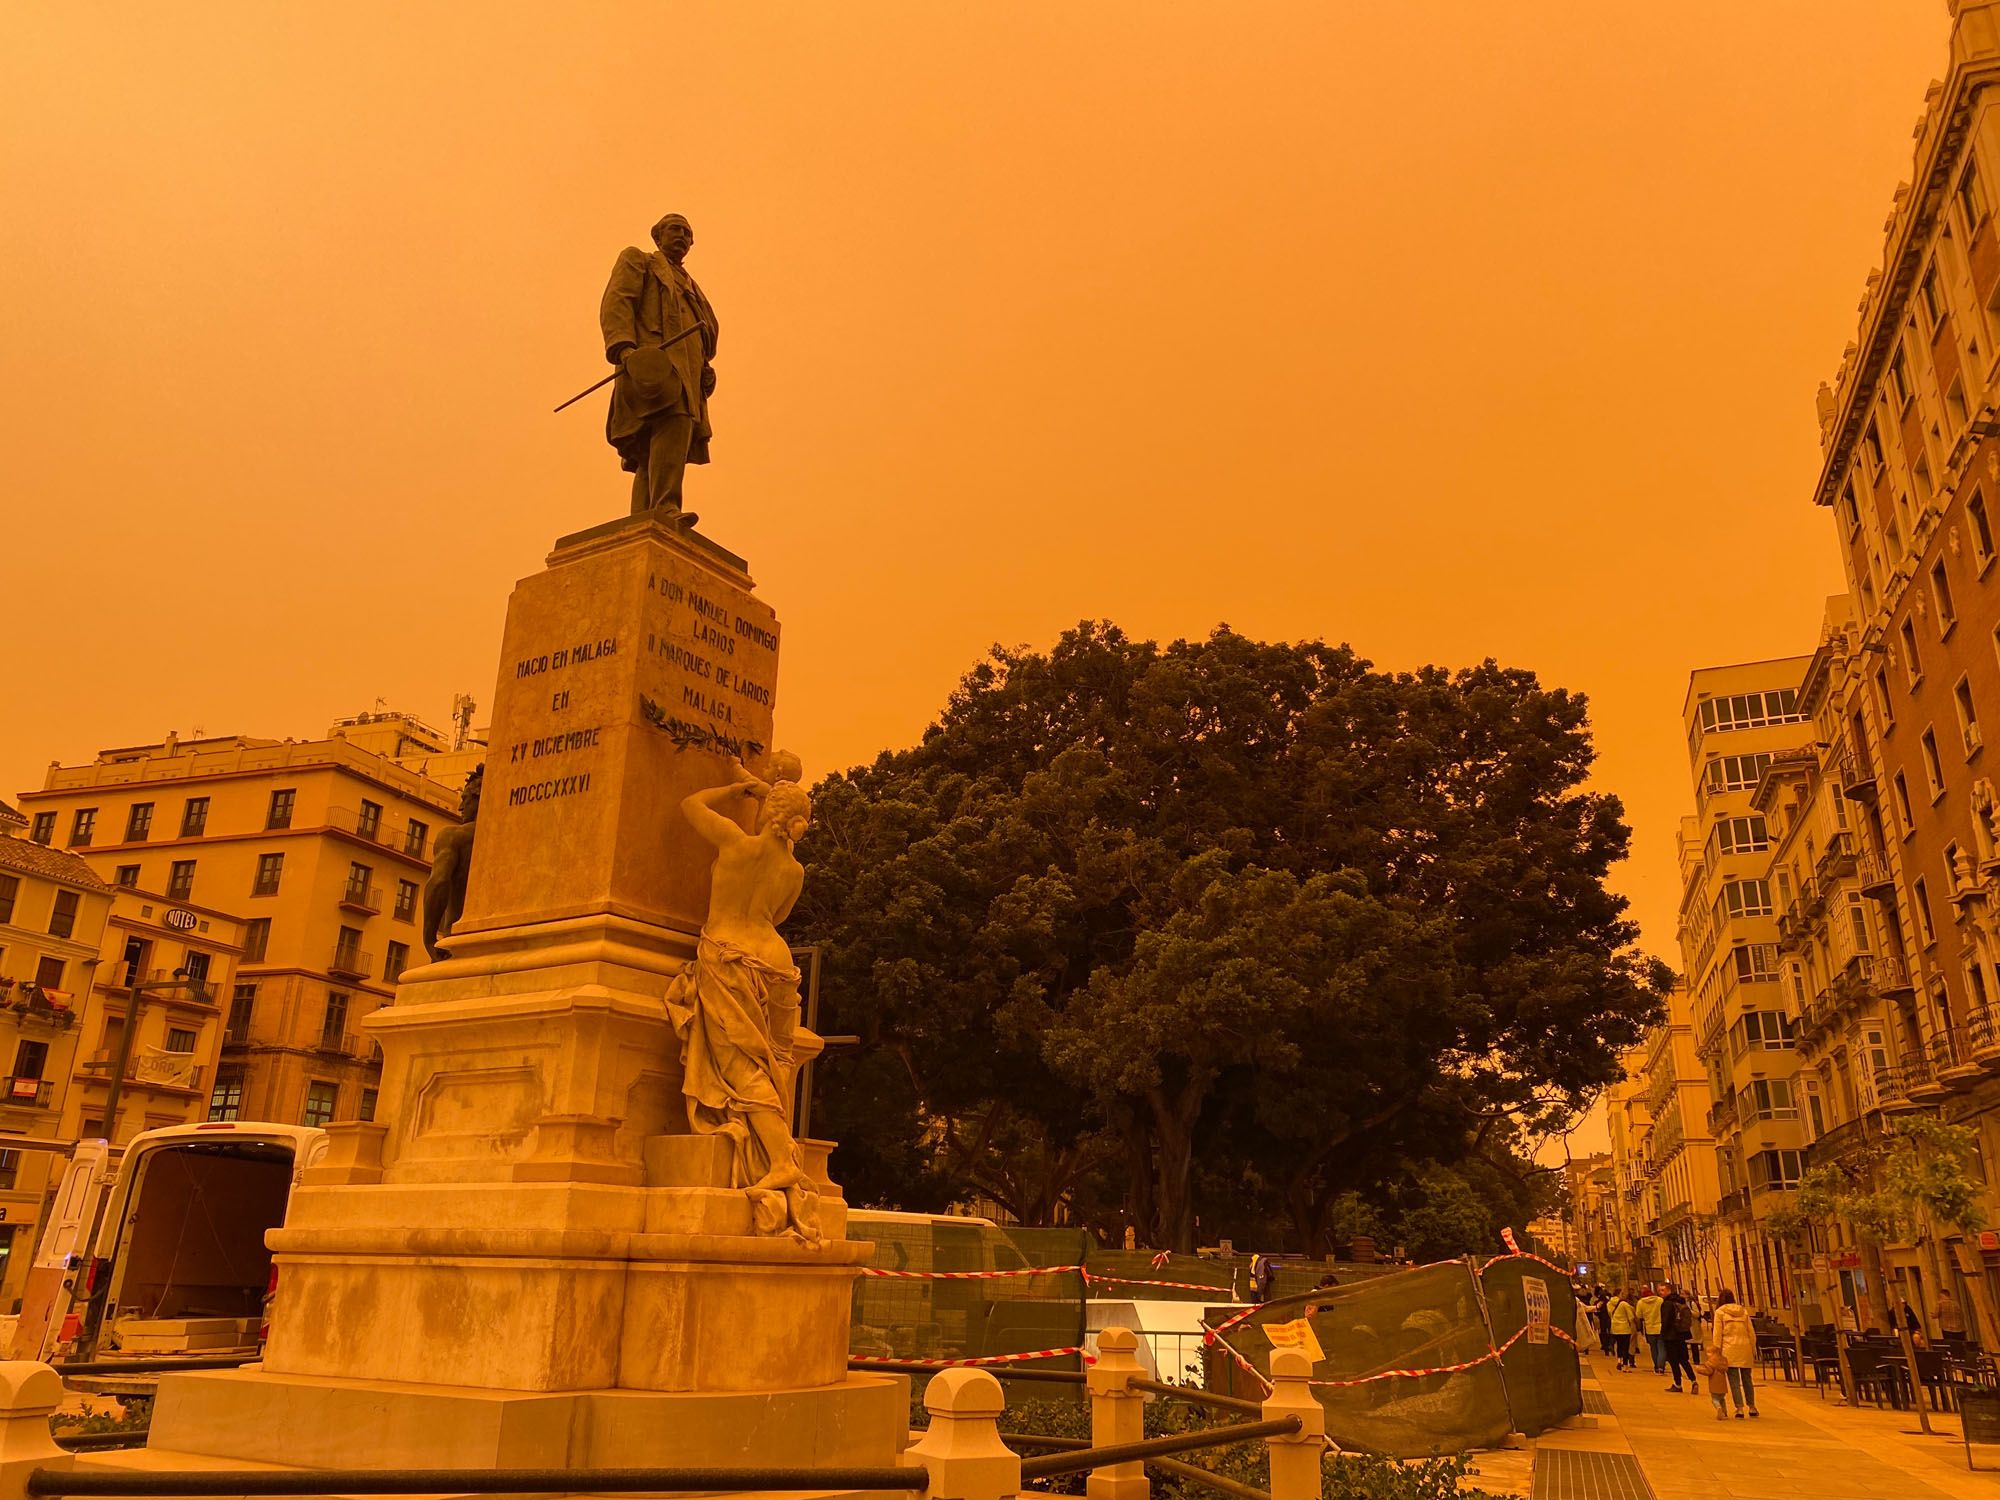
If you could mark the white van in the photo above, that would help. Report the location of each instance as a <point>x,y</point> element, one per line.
<point>925,1318</point>
<point>174,1226</point>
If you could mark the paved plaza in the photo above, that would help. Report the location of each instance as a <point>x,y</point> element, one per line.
<point>1800,1445</point>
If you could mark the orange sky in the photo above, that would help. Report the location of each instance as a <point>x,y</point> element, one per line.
<point>1447,329</point>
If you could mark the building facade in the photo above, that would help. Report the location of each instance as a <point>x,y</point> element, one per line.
<point>1680,1158</point>
<point>318,848</point>
<point>1910,431</point>
<point>54,911</point>
<point>1739,721</point>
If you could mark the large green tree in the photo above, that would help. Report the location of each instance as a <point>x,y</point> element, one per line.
<point>1216,930</point>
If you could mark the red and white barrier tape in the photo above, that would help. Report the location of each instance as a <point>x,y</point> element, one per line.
<point>1471,1364</point>
<point>984,1359</point>
<point>1185,1286</point>
<point>967,1275</point>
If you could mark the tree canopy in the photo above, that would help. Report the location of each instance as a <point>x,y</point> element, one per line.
<point>1219,930</point>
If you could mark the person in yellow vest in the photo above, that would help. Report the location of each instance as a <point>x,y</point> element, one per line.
<point>1623,1320</point>
<point>1647,1311</point>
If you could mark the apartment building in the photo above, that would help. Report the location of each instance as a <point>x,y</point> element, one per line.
<point>320,848</point>
<point>1680,1158</point>
<point>1737,719</point>
<point>1629,1254</point>
<point>53,913</point>
<point>1911,477</point>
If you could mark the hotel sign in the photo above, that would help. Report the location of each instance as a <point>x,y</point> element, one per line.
<point>180,919</point>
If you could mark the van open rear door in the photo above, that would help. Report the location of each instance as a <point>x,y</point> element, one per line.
<point>63,1251</point>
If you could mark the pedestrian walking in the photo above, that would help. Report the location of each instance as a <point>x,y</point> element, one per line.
<point>1950,1316</point>
<point>1647,1311</point>
<point>1733,1340</point>
<point>1622,1324</point>
<point>1715,1371</point>
<point>1677,1328</point>
<point>1603,1316</point>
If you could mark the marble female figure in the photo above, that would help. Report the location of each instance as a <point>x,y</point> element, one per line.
<point>736,1007</point>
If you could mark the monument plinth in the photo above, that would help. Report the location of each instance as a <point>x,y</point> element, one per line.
<point>546,1250</point>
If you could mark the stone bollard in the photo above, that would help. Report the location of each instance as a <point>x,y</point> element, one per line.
<point>1297,1460</point>
<point>1117,1415</point>
<point>961,1449</point>
<point>29,1392</point>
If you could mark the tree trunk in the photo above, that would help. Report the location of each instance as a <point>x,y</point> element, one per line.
<point>1878,1283</point>
<point>1173,1181</point>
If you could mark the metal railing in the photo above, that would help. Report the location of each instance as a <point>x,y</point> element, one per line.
<point>1888,976</point>
<point>30,1092</point>
<point>362,896</point>
<point>352,960</point>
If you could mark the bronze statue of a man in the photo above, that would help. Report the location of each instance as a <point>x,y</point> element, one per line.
<point>660,332</point>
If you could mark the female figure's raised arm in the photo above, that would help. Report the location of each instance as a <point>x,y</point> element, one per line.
<point>700,810</point>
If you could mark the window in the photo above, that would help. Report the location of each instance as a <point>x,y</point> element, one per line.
<point>1872,441</point>
<point>414,840</point>
<point>10,888</point>
<point>347,951</point>
<point>62,918</point>
<point>1734,773</point>
<point>1905,823</point>
<point>139,823</point>
<point>279,814</point>
<point>126,875</point>
<point>1769,1029</point>
<point>1749,711</point>
<point>1972,197</point>
<point>321,1097</point>
<point>1933,301</point>
<point>1743,898</point>
<point>137,951</point>
<point>357,892</point>
<point>256,939</point>
<point>1769,1099</point>
<point>1741,835</point>
<point>180,880</point>
<point>368,822</point>
<point>49,972</point>
<point>31,1059</point>
<point>1954,406</point>
<point>333,1024</point>
<point>1754,962</point>
<point>367,1110</point>
<point>1921,898</point>
<point>1849,511</point>
<point>194,818</point>
<point>242,1001</point>
<point>82,827</point>
<point>44,831</point>
<point>406,901</point>
<point>180,1039</point>
<point>1968,717</point>
<point>1980,526</point>
<point>1884,702</point>
<point>1913,664</point>
<point>1947,612</point>
<point>1899,382</point>
<point>1775,1169</point>
<point>1933,767</point>
<point>270,869</point>
<point>226,1103</point>
<point>397,960</point>
<point>1857,918</point>
<point>194,967</point>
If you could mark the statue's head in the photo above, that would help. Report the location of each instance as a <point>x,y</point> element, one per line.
<point>468,797</point>
<point>784,765</point>
<point>675,237</point>
<point>787,810</point>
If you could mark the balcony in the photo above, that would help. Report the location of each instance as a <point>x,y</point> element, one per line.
<point>1952,1062</point>
<point>1837,1143</point>
<point>30,1093</point>
<point>359,895</point>
<point>1731,1204</point>
<point>1873,872</point>
<point>1857,778</point>
<point>24,1000</point>
<point>1892,1091</point>
<point>1722,1115</point>
<point>1889,976</point>
<point>350,961</point>
<point>1925,1087</point>
<point>341,1043</point>
<point>1838,858</point>
<point>1985,1030</point>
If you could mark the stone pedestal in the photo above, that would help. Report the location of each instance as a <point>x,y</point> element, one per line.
<point>528,1259</point>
